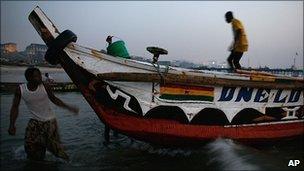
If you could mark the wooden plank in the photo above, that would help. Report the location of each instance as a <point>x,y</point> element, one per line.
<point>240,71</point>
<point>199,80</point>
<point>262,78</point>
<point>261,75</point>
<point>43,25</point>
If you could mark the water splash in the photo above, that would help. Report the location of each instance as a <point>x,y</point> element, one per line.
<point>125,142</point>
<point>19,153</point>
<point>226,154</point>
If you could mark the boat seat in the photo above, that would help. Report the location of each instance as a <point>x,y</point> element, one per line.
<point>156,51</point>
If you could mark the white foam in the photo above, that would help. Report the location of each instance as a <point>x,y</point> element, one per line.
<point>224,152</point>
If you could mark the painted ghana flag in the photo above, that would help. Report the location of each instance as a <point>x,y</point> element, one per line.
<point>184,92</point>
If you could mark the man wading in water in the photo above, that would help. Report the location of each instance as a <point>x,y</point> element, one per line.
<point>42,131</point>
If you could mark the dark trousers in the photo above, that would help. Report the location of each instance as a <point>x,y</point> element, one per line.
<point>234,60</point>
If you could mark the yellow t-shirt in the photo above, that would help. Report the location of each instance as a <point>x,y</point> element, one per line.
<point>242,44</point>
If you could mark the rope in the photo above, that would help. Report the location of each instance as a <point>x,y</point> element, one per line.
<point>162,75</point>
<point>162,80</point>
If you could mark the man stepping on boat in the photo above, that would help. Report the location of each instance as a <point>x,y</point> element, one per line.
<point>240,43</point>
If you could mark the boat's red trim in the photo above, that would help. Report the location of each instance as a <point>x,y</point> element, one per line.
<point>188,87</point>
<point>172,132</point>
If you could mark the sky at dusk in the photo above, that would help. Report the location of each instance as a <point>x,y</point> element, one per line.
<point>193,31</point>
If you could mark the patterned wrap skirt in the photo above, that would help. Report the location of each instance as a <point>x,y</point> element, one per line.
<point>41,136</point>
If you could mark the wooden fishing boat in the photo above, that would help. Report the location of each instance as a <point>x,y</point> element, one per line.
<point>174,106</point>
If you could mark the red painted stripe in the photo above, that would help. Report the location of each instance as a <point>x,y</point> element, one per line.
<point>186,97</point>
<point>189,87</point>
<point>186,132</point>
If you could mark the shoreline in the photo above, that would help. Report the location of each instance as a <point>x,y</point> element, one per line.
<point>23,68</point>
<point>15,74</point>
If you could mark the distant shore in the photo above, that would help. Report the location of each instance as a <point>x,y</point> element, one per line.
<point>15,74</point>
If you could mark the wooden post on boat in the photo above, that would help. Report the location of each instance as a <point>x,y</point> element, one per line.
<point>156,51</point>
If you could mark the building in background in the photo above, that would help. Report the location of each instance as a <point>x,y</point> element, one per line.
<point>36,49</point>
<point>8,48</point>
<point>35,53</point>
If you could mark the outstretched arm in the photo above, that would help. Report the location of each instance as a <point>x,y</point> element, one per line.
<point>14,111</point>
<point>59,102</point>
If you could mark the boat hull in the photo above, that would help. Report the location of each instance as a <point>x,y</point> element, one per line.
<point>168,132</point>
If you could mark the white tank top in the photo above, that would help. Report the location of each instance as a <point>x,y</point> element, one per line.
<point>37,102</point>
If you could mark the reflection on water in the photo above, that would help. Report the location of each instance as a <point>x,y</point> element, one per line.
<point>82,138</point>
